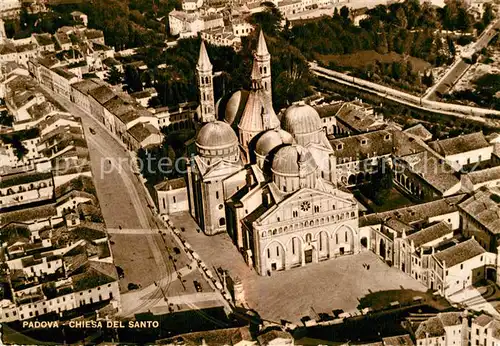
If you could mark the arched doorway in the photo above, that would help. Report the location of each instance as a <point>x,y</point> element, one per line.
<point>343,240</point>
<point>382,251</point>
<point>364,242</point>
<point>275,256</point>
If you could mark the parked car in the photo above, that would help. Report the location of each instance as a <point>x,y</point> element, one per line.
<point>131,286</point>
<point>197,285</point>
<point>121,273</point>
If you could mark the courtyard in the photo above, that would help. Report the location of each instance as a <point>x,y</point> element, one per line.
<point>290,295</point>
<point>395,199</point>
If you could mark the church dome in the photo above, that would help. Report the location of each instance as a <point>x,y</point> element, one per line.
<point>272,139</point>
<point>235,105</point>
<point>216,135</point>
<point>300,118</point>
<point>293,160</point>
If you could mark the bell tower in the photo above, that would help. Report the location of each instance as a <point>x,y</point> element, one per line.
<point>262,59</point>
<point>205,86</point>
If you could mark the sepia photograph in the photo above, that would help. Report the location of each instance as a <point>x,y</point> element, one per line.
<point>250,172</point>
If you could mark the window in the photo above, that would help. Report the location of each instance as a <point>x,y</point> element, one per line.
<point>293,246</point>
<point>277,251</point>
<point>345,236</point>
<point>268,253</point>
<point>336,238</point>
<point>173,198</point>
<point>217,194</point>
<point>461,266</point>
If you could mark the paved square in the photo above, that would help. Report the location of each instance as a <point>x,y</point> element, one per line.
<point>289,295</point>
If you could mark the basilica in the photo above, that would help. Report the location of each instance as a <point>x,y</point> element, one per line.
<point>268,180</point>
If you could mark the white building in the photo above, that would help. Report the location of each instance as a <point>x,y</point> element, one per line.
<point>10,8</point>
<point>191,5</point>
<point>445,329</point>
<point>172,196</point>
<point>464,150</point>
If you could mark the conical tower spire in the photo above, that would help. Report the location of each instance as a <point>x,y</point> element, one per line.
<point>262,65</point>
<point>256,77</point>
<point>204,63</point>
<point>205,86</point>
<point>261,45</point>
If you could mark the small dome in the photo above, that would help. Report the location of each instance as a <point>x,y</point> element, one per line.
<point>272,139</point>
<point>292,159</point>
<point>234,105</point>
<point>216,135</point>
<point>300,118</point>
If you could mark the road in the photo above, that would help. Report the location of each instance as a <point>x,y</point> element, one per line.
<point>458,69</point>
<point>124,205</point>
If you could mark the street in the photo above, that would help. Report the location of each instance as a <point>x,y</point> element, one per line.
<point>143,256</point>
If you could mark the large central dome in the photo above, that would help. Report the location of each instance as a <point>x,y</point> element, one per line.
<point>293,160</point>
<point>272,139</point>
<point>216,135</point>
<point>300,119</point>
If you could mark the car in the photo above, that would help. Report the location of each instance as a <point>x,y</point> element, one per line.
<point>92,131</point>
<point>121,273</point>
<point>131,286</point>
<point>197,285</point>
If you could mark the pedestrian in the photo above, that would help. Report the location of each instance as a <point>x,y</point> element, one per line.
<point>368,267</point>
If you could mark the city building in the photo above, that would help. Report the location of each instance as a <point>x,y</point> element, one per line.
<point>464,150</point>
<point>10,8</point>
<point>171,196</point>
<point>444,329</point>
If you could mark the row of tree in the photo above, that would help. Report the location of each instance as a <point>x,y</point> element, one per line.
<point>408,28</point>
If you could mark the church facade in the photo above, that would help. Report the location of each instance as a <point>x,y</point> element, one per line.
<point>269,182</point>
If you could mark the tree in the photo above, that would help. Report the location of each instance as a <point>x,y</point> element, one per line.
<point>19,149</point>
<point>464,22</point>
<point>336,12</point>
<point>451,46</point>
<point>6,119</point>
<point>344,13</point>
<point>401,18</point>
<point>268,20</point>
<point>114,76</point>
<point>487,14</point>
<point>428,79</point>
<point>132,79</point>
